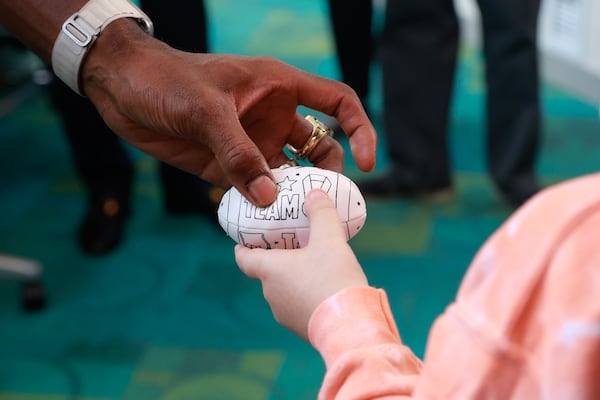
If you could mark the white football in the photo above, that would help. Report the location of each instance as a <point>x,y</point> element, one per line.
<point>283,224</point>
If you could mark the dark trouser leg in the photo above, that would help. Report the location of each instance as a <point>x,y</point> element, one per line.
<point>351,21</point>
<point>419,50</point>
<point>513,102</point>
<point>102,164</point>
<point>183,25</point>
<point>180,23</point>
<point>99,158</point>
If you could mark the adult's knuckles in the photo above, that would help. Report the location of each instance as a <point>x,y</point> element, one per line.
<point>243,159</point>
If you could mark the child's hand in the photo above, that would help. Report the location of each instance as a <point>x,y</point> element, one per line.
<point>295,282</point>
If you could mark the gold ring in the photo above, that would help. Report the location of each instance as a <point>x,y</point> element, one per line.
<point>319,131</point>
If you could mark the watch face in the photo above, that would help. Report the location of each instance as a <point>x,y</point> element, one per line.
<point>146,25</point>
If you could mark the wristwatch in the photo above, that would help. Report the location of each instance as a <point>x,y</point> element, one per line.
<point>79,32</point>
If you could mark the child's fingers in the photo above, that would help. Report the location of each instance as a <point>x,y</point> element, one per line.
<point>250,261</point>
<point>325,223</point>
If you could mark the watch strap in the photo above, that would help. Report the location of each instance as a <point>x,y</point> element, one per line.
<point>80,31</point>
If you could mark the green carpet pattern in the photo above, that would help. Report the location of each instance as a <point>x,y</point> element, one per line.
<point>169,315</point>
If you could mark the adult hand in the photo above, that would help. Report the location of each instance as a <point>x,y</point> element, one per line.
<point>296,281</point>
<point>221,117</point>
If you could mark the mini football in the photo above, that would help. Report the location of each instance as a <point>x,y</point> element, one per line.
<point>283,224</point>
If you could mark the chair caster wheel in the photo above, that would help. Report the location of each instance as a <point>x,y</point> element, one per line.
<point>33,297</point>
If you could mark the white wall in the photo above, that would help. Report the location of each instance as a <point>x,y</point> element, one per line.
<point>569,42</point>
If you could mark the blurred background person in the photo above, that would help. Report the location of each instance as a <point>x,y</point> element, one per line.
<point>102,160</point>
<point>418,55</point>
<point>351,23</point>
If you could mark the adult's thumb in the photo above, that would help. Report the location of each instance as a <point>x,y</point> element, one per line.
<point>245,166</point>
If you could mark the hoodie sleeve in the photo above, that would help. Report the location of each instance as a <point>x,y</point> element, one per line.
<point>356,334</point>
<point>525,323</point>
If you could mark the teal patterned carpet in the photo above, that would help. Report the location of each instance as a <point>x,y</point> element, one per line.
<point>169,315</point>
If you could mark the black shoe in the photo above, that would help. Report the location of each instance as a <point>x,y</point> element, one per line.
<point>102,228</point>
<point>386,187</point>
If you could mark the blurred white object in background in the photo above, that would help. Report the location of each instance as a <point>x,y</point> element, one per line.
<point>569,34</point>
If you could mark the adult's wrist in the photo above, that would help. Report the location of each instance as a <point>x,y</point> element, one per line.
<point>107,60</point>
<point>80,31</point>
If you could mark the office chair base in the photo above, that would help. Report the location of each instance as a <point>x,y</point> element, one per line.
<point>29,272</point>
<point>33,296</point>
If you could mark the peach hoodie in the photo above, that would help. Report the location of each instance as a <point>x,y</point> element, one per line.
<point>525,323</point>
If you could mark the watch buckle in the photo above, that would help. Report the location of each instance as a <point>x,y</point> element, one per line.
<point>76,32</point>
